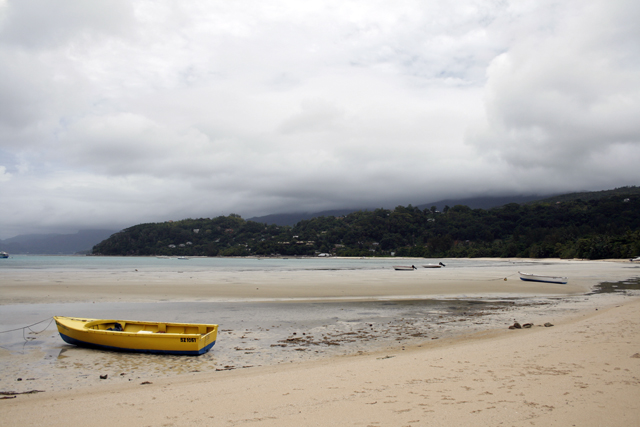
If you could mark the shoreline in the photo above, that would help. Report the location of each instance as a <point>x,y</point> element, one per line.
<point>23,286</point>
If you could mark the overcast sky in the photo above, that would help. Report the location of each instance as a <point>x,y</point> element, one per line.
<point>114,113</point>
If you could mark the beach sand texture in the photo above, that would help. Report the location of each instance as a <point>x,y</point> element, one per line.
<point>583,371</point>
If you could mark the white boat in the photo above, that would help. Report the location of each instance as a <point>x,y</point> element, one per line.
<point>404,267</point>
<point>528,277</point>
<point>4,255</point>
<point>438,265</point>
<point>635,259</point>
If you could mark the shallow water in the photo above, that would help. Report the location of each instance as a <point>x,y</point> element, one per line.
<point>623,286</point>
<point>88,263</point>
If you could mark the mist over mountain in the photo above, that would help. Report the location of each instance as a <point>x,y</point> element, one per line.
<point>483,202</point>
<point>292,219</point>
<point>55,244</point>
<point>83,241</point>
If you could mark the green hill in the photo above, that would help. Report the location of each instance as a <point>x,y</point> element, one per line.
<point>594,225</point>
<point>593,195</point>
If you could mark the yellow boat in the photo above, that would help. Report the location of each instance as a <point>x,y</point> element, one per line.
<point>137,336</point>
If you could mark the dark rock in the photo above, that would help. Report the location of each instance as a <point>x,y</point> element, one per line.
<point>517,325</point>
<point>547,325</point>
<point>527,325</point>
<point>104,377</point>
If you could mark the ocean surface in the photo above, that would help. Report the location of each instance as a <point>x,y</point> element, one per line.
<point>251,333</point>
<point>195,264</point>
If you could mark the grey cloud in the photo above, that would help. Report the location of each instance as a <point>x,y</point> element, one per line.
<point>315,115</point>
<point>146,111</point>
<point>46,24</point>
<point>4,175</point>
<point>562,100</point>
<point>25,89</point>
<point>130,144</point>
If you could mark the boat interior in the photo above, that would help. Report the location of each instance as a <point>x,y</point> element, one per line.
<point>150,328</point>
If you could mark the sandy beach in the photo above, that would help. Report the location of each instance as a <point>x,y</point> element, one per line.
<point>28,286</point>
<point>584,370</point>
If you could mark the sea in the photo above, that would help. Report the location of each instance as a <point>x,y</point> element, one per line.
<point>195,264</point>
<point>251,333</point>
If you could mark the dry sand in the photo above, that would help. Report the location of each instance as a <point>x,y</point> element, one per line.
<point>584,371</point>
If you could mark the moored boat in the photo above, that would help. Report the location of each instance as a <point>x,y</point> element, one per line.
<point>4,255</point>
<point>404,267</point>
<point>438,265</point>
<point>528,277</point>
<point>138,336</point>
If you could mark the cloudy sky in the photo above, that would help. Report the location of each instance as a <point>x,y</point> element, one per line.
<point>114,113</point>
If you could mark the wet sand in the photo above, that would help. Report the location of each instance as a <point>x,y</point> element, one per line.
<point>137,285</point>
<point>580,370</point>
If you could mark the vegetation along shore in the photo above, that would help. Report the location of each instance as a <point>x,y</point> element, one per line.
<point>586,225</point>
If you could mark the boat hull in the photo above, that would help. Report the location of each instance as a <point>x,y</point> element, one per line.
<point>404,267</point>
<point>139,337</point>
<point>527,277</point>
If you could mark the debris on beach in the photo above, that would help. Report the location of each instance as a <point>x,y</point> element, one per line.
<point>13,394</point>
<point>517,325</point>
<point>226,368</point>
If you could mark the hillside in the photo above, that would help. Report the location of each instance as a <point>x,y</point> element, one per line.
<point>482,202</point>
<point>292,219</point>
<point>592,195</point>
<point>581,227</point>
<point>487,202</point>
